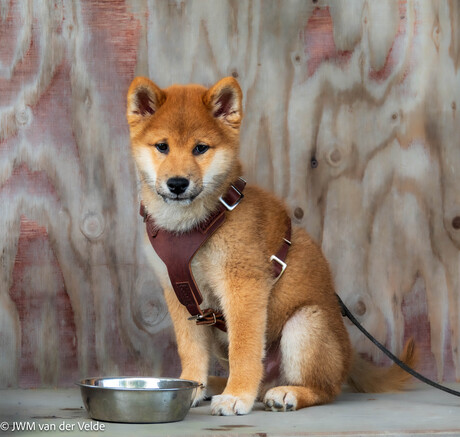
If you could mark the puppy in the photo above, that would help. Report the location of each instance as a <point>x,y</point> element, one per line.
<point>185,143</point>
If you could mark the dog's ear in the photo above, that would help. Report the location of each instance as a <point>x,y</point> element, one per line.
<point>144,99</point>
<point>224,100</point>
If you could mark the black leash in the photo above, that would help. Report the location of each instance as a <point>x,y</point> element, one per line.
<point>346,313</point>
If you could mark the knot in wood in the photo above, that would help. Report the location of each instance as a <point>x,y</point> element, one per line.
<point>456,222</point>
<point>149,310</point>
<point>23,116</point>
<point>298,213</point>
<point>360,308</point>
<point>334,157</point>
<point>153,312</point>
<point>92,225</point>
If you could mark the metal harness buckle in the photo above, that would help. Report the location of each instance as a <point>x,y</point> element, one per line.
<point>232,207</point>
<point>281,263</point>
<point>215,320</point>
<point>198,317</point>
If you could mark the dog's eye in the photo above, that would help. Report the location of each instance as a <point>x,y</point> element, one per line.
<point>200,149</point>
<point>162,147</point>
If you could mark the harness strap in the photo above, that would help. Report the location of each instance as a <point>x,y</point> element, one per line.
<point>178,250</point>
<point>278,260</point>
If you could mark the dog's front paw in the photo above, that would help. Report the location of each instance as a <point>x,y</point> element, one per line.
<point>228,405</point>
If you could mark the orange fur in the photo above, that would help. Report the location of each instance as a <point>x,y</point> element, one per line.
<point>367,378</point>
<point>232,268</point>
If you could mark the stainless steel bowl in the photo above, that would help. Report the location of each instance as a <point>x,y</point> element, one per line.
<point>138,400</point>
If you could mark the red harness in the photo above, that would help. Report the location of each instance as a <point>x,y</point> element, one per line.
<point>178,250</point>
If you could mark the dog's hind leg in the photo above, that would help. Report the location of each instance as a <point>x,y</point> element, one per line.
<point>314,360</point>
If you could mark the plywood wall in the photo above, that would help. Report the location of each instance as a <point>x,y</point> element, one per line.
<point>351,116</point>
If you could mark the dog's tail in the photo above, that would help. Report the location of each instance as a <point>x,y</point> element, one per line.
<point>367,378</point>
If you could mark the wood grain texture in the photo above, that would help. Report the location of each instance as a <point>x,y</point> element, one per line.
<point>369,89</point>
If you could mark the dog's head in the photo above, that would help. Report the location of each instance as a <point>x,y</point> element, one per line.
<point>185,138</point>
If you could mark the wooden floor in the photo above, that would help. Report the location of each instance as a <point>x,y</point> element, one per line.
<point>422,411</point>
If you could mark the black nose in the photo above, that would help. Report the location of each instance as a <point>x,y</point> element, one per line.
<point>177,185</point>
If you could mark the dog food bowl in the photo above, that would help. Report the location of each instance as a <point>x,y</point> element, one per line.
<point>138,400</point>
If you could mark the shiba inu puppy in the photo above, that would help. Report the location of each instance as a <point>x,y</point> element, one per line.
<point>185,143</point>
